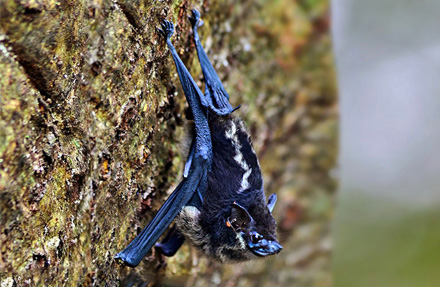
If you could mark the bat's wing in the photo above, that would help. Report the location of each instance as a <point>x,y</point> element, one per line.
<point>195,183</point>
<point>215,94</point>
<point>142,243</point>
<point>201,147</point>
<point>189,160</point>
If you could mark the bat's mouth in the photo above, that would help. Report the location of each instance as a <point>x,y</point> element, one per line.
<point>265,248</point>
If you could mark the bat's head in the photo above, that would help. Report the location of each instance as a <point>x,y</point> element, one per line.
<point>241,231</point>
<point>258,231</point>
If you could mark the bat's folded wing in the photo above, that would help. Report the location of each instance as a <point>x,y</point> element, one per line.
<point>217,97</point>
<point>141,244</point>
<point>215,93</point>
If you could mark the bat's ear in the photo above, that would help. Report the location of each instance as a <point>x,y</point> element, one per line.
<point>240,218</point>
<point>271,201</point>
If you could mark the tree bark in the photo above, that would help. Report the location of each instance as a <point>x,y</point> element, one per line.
<point>91,116</point>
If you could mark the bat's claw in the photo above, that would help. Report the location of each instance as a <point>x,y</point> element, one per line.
<point>167,29</point>
<point>195,19</point>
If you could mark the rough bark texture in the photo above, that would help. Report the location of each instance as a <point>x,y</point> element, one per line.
<point>91,114</point>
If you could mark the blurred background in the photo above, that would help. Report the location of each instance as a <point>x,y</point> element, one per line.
<point>387,227</point>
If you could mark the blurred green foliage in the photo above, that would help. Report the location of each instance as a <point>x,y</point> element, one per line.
<point>385,244</point>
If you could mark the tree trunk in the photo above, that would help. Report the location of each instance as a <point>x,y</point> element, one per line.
<point>91,114</point>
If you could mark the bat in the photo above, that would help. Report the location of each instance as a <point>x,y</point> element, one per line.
<point>219,206</point>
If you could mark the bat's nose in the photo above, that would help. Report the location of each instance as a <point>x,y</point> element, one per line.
<point>266,248</point>
<point>274,247</point>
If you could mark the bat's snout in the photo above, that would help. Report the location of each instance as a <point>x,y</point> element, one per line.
<point>266,248</point>
<point>275,247</point>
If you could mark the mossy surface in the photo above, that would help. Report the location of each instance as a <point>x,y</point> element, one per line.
<point>91,115</point>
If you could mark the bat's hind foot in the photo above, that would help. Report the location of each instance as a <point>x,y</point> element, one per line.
<point>195,19</point>
<point>167,29</point>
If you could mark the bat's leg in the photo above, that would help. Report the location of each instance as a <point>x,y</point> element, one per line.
<point>171,243</point>
<point>215,93</point>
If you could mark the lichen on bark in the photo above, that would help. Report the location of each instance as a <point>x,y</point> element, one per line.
<point>91,114</point>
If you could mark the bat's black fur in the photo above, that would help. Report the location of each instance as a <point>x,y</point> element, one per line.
<point>235,177</point>
<point>219,206</point>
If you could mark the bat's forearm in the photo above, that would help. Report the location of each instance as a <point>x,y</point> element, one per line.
<point>193,94</point>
